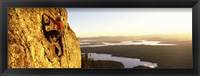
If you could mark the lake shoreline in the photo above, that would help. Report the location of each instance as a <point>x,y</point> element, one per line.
<point>167,57</point>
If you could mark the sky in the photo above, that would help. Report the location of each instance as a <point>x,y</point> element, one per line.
<point>92,22</point>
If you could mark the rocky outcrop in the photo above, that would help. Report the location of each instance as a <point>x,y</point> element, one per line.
<point>32,42</point>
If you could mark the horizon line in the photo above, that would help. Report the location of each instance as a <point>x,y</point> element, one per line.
<point>186,33</point>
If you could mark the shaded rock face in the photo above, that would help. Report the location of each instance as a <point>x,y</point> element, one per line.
<point>35,42</point>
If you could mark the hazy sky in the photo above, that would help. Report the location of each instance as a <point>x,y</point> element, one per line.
<point>90,22</point>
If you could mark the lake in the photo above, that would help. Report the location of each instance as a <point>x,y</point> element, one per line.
<point>140,42</point>
<point>127,62</point>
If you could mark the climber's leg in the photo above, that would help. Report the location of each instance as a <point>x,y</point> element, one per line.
<point>61,46</point>
<point>43,21</point>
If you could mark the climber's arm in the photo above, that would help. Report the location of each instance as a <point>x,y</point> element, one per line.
<point>55,22</point>
<point>58,23</point>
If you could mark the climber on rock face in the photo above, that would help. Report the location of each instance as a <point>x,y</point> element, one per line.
<point>57,22</point>
<point>54,33</point>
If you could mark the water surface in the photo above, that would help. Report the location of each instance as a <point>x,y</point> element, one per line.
<point>127,62</point>
<point>141,42</point>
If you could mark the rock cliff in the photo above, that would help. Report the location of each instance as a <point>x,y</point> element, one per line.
<point>33,40</point>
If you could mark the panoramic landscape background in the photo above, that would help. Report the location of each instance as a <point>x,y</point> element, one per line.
<point>139,38</point>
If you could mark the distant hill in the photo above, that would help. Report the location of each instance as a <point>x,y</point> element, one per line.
<point>153,37</point>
